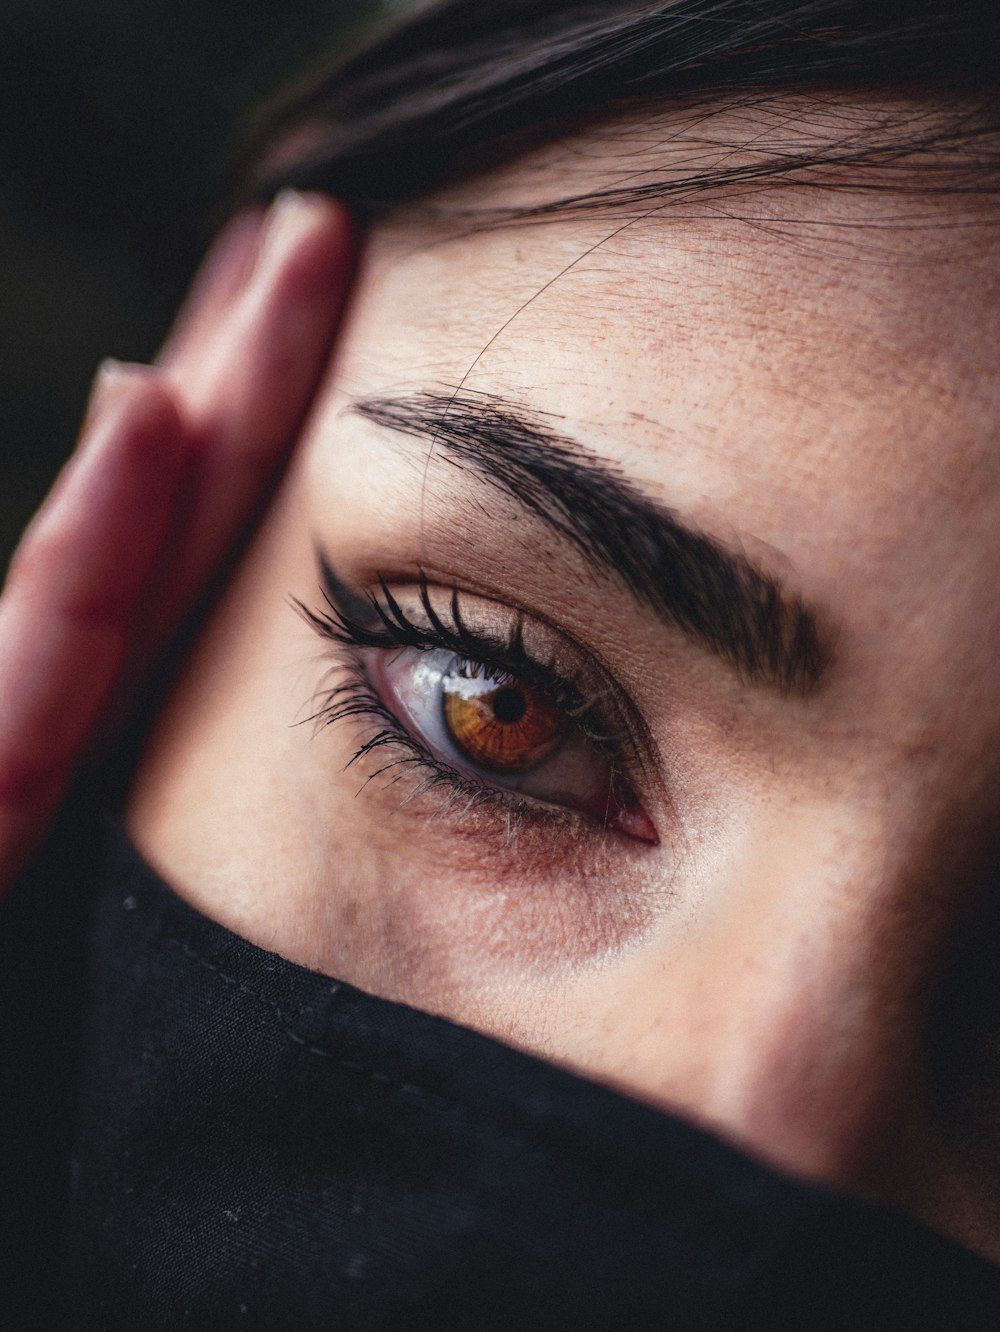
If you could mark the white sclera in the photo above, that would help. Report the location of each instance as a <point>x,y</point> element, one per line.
<point>411,683</point>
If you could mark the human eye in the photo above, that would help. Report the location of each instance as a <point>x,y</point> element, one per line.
<point>478,702</point>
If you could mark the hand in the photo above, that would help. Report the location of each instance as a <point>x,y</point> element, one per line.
<point>173,461</point>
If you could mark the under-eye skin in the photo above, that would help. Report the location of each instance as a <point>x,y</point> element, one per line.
<point>473,712</point>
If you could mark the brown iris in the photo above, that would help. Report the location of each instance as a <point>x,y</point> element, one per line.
<point>497,721</point>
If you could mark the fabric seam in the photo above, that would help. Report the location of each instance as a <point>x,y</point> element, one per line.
<point>377,1075</point>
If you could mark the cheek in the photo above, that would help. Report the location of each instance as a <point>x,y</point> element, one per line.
<point>452,919</point>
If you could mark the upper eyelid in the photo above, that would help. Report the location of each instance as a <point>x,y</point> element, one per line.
<point>394,628</point>
<point>623,734</point>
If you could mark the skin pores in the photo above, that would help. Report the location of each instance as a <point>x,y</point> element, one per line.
<point>806,377</point>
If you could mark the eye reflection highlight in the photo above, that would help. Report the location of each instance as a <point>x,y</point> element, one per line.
<point>500,723</point>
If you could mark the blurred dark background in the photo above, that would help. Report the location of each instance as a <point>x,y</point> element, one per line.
<point>120,123</point>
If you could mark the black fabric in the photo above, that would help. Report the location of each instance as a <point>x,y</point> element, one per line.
<point>255,1146</point>
<point>43,938</point>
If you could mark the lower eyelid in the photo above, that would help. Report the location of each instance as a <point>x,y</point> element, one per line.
<point>428,771</point>
<point>574,778</point>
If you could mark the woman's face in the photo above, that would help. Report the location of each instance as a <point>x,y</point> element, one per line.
<point>673,756</point>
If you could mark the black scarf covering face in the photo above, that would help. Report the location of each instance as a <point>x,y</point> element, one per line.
<point>249,1145</point>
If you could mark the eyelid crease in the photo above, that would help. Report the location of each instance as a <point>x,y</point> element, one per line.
<point>717,597</point>
<point>384,624</point>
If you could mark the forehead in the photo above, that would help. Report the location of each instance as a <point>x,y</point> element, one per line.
<point>731,346</point>
<point>805,372</point>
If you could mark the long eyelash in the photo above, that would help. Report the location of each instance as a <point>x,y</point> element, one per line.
<point>390,627</point>
<point>356,698</point>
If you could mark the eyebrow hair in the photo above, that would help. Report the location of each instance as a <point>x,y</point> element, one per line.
<point>717,597</point>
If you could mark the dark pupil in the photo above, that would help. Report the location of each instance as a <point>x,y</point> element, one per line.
<point>509,706</point>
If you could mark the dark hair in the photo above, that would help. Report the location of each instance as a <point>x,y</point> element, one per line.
<point>471,83</point>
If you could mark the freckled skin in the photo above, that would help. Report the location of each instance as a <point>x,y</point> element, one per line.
<point>787,964</point>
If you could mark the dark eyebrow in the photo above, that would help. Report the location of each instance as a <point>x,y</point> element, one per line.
<point>716,596</point>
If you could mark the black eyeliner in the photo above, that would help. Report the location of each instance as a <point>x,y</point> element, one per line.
<point>376,620</point>
<point>354,622</point>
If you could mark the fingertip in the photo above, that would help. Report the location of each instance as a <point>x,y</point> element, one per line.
<point>144,448</point>
<point>111,382</point>
<point>312,238</point>
<point>302,238</point>
<point>222,275</point>
<point>135,430</point>
<point>134,405</point>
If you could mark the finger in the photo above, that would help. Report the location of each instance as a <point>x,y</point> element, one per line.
<point>73,591</point>
<point>247,383</point>
<point>223,274</point>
